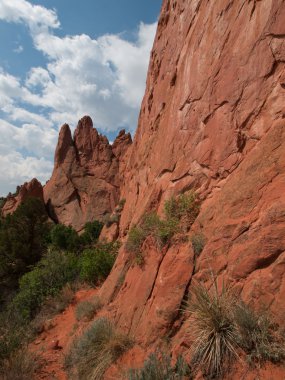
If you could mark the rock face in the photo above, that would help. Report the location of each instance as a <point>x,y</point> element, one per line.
<point>27,190</point>
<point>212,120</point>
<point>85,183</point>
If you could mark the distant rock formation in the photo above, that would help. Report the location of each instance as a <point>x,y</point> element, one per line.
<point>85,183</point>
<point>27,190</point>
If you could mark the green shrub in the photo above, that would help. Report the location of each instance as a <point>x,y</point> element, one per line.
<point>184,208</point>
<point>151,225</point>
<point>91,232</point>
<point>23,241</point>
<point>180,213</point>
<point>87,309</point>
<point>96,263</point>
<point>63,237</point>
<point>122,202</point>
<point>198,243</point>
<point>93,352</point>
<point>52,306</point>
<point>257,336</point>
<point>135,240</point>
<point>47,278</point>
<point>159,368</point>
<point>214,331</point>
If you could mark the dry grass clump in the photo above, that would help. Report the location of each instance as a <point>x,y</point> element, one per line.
<point>93,352</point>
<point>86,310</point>
<point>258,336</point>
<point>20,365</point>
<point>158,367</point>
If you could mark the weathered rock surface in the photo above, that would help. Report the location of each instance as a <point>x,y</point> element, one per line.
<point>212,120</point>
<point>27,190</point>
<point>85,183</point>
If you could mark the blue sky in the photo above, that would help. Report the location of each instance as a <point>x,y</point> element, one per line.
<point>60,60</point>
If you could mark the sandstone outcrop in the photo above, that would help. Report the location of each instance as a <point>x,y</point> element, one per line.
<point>212,120</point>
<point>28,189</point>
<point>85,183</point>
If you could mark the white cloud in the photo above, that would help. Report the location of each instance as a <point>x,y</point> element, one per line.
<point>38,140</point>
<point>104,78</point>
<point>16,169</point>
<point>35,16</point>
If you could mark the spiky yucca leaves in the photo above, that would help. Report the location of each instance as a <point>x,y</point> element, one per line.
<point>213,329</point>
<point>94,351</point>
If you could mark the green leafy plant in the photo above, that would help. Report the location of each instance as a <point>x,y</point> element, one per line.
<point>179,212</point>
<point>23,241</point>
<point>150,225</point>
<point>47,278</point>
<point>93,352</point>
<point>135,240</point>
<point>87,309</point>
<point>96,263</point>
<point>65,238</point>
<point>184,208</point>
<point>91,232</point>
<point>158,367</point>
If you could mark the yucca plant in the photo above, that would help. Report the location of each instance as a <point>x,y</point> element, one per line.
<point>94,351</point>
<point>213,328</point>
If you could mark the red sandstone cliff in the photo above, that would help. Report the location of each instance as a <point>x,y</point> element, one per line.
<point>212,120</point>
<point>85,183</point>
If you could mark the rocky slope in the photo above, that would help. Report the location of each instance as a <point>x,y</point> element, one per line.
<point>212,120</point>
<point>85,183</point>
<point>28,189</point>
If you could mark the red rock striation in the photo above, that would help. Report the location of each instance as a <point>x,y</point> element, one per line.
<point>85,183</point>
<point>212,120</point>
<point>27,190</point>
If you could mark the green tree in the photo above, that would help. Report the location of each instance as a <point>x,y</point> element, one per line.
<point>23,240</point>
<point>63,237</point>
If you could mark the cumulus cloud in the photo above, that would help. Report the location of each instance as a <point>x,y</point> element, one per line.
<point>17,169</point>
<point>35,16</point>
<point>104,78</point>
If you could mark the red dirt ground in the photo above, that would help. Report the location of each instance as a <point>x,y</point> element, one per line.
<point>52,345</point>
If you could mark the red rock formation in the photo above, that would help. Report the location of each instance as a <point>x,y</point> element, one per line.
<point>27,190</point>
<point>213,120</point>
<point>85,182</point>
